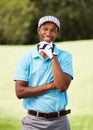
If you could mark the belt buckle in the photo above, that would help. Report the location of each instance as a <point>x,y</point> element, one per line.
<point>52,115</point>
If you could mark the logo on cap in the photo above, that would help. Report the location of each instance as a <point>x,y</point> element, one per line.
<point>49,19</point>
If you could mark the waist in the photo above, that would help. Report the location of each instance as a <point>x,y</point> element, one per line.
<point>49,115</point>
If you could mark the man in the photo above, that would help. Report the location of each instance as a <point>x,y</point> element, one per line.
<point>42,78</point>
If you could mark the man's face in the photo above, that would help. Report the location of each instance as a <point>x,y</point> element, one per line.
<point>48,32</point>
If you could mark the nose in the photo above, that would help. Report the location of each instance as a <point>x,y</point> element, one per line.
<point>48,32</point>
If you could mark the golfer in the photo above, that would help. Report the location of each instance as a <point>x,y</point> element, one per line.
<point>42,78</point>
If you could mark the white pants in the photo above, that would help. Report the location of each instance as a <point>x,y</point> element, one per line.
<point>31,122</point>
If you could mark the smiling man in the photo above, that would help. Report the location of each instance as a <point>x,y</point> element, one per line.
<point>42,79</point>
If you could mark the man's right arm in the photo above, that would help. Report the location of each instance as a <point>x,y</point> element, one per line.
<point>23,91</point>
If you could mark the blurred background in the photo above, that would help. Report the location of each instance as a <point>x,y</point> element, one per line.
<point>18,34</point>
<point>19,18</point>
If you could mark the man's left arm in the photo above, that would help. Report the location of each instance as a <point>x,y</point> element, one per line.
<point>61,79</point>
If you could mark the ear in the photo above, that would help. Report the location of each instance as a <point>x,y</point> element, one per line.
<point>57,33</point>
<point>38,30</point>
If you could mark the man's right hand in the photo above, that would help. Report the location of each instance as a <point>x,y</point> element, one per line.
<point>47,48</point>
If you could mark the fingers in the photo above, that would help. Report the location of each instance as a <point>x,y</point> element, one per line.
<point>47,48</point>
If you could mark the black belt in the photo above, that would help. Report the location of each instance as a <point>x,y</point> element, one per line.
<point>49,115</point>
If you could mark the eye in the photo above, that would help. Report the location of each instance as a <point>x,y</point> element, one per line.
<point>54,30</point>
<point>45,29</point>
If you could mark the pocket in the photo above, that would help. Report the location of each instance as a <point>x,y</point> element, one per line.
<point>31,122</point>
<point>27,123</point>
<point>29,119</point>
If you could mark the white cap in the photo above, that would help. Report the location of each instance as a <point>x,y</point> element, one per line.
<point>49,19</point>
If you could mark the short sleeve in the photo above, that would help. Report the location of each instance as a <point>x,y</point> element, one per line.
<point>66,64</point>
<point>22,70</point>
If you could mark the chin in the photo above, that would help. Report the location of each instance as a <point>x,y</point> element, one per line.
<point>47,41</point>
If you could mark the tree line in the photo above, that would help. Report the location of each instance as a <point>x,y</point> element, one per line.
<point>19,19</point>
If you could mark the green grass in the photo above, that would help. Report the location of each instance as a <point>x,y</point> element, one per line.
<point>83,122</point>
<point>80,91</point>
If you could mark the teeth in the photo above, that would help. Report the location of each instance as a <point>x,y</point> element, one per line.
<point>47,38</point>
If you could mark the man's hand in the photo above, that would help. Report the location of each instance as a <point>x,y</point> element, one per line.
<point>47,48</point>
<point>42,45</point>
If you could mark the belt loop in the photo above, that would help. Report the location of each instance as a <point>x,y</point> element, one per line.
<point>37,114</point>
<point>58,114</point>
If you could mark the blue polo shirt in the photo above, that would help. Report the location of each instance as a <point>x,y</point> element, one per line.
<point>37,71</point>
